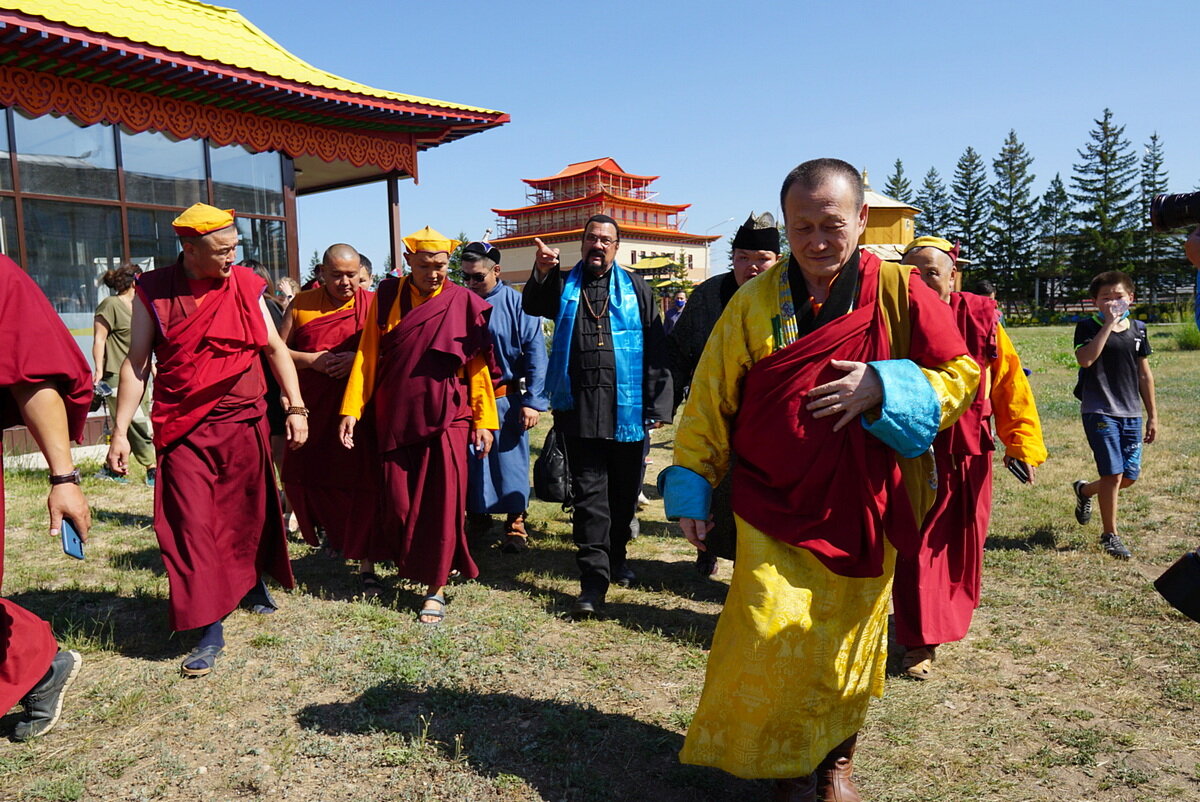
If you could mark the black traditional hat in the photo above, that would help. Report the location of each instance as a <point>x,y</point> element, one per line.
<point>485,249</point>
<point>758,234</point>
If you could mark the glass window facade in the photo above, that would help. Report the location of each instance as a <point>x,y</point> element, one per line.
<point>93,197</point>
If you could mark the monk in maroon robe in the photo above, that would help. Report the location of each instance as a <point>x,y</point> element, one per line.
<point>330,486</point>
<point>216,509</point>
<point>425,359</point>
<point>45,383</point>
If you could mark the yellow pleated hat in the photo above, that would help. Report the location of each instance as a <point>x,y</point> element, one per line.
<point>201,219</point>
<point>930,242</point>
<point>431,241</point>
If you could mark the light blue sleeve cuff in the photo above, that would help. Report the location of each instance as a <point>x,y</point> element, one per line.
<point>686,494</point>
<point>911,411</point>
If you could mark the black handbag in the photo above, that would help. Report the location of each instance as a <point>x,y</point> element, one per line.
<point>551,473</point>
<point>1180,585</point>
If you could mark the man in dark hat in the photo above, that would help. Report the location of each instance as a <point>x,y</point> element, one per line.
<point>755,248</point>
<point>499,483</point>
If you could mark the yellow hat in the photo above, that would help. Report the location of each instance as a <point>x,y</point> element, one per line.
<point>929,242</point>
<point>430,241</point>
<point>202,219</point>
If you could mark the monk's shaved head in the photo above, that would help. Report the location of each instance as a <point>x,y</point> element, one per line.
<point>341,252</point>
<point>339,270</point>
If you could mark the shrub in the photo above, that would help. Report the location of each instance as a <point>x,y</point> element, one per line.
<point>1187,337</point>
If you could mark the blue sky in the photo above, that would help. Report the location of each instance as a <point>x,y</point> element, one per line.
<point>722,99</point>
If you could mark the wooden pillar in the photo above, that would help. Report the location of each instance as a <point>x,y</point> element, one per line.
<point>292,226</point>
<point>396,238</point>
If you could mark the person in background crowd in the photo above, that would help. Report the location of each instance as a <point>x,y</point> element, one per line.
<point>45,384</point>
<point>607,380</point>
<point>499,484</point>
<point>820,376</point>
<point>425,358</point>
<point>285,290</point>
<point>936,591</point>
<point>110,345</point>
<point>365,279</point>
<point>755,248</point>
<point>678,302</point>
<point>216,510</point>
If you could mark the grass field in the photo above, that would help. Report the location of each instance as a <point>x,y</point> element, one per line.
<point>1076,682</point>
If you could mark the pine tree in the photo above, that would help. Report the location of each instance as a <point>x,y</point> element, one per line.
<point>934,203</point>
<point>898,185</point>
<point>1154,249</point>
<point>969,205</point>
<point>1055,238</point>
<point>1105,185</point>
<point>1012,227</point>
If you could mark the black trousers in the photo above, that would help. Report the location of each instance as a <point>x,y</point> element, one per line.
<point>606,477</point>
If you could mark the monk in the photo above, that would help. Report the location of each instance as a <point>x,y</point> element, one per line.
<point>937,589</point>
<point>44,383</point>
<point>216,507</point>
<point>329,486</point>
<point>827,378</point>
<point>425,357</point>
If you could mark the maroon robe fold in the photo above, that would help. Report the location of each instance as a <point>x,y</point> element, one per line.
<point>937,589</point>
<point>216,509</point>
<point>782,484</point>
<point>35,347</point>
<point>423,416</point>
<point>331,486</point>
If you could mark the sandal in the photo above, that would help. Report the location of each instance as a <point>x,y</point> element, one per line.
<point>918,663</point>
<point>437,614</point>
<point>200,662</point>
<point>371,584</point>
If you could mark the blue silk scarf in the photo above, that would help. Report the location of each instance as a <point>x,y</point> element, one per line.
<point>625,327</point>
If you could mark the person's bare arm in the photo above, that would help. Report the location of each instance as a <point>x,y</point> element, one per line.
<point>100,329</point>
<point>280,359</point>
<point>45,414</point>
<point>1146,390</point>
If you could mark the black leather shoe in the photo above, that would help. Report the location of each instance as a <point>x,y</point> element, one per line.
<point>588,605</point>
<point>624,576</point>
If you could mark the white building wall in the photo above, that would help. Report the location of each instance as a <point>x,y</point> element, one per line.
<point>516,262</point>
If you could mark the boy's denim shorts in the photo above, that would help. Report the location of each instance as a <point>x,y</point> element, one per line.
<point>1116,443</point>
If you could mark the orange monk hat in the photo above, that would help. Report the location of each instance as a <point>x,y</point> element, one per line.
<point>430,241</point>
<point>201,219</point>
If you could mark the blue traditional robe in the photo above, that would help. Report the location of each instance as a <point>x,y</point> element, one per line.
<point>500,483</point>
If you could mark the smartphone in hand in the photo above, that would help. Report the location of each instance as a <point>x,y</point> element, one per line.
<point>1019,469</point>
<point>72,543</point>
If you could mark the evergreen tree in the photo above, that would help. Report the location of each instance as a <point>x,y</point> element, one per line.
<point>1012,227</point>
<point>1055,235</point>
<point>969,205</point>
<point>934,203</point>
<point>1105,186</point>
<point>1154,249</point>
<point>898,185</point>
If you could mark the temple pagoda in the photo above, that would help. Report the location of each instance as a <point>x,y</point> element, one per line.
<point>560,204</point>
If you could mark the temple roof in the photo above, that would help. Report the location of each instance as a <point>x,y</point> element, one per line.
<point>605,165</point>
<point>595,197</point>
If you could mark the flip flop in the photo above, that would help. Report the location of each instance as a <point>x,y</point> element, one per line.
<point>437,614</point>
<point>205,657</point>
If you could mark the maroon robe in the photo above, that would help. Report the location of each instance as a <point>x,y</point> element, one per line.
<point>36,347</point>
<point>216,509</point>
<point>782,484</point>
<point>423,418</point>
<point>331,486</point>
<point>937,589</point>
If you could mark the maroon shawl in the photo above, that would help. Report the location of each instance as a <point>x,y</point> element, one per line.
<point>977,317</point>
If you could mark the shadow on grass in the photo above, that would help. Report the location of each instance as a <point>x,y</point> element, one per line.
<point>130,519</point>
<point>1030,539</point>
<point>145,560</point>
<point>563,749</point>
<point>134,627</point>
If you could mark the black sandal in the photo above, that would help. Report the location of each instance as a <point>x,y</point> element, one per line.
<point>371,584</point>
<point>436,614</point>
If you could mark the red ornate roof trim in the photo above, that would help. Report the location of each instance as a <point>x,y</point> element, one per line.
<point>596,197</point>
<point>40,93</point>
<point>606,165</point>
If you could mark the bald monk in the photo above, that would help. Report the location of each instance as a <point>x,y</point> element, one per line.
<point>330,486</point>
<point>216,509</point>
<point>45,383</point>
<point>425,358</point>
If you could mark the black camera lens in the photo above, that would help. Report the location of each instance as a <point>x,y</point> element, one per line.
<point>1168,212</point>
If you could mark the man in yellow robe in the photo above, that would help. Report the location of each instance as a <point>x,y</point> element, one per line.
<point>425,357</point>
<point>818,375</point>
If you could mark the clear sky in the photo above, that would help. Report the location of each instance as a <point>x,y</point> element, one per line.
<point>721,99</point>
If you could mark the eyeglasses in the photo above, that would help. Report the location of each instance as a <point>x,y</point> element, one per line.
<point>475,277</point>
<point>592,239</point>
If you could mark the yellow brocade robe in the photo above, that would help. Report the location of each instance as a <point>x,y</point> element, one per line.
<point>798,650</point>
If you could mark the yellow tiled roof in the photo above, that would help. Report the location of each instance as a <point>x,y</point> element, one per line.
<point>206,32</point>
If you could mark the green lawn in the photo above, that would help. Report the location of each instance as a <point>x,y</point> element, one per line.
<point>1076,683</point>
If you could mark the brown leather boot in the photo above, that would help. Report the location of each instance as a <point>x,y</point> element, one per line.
<point>515,538</point>
<point>797,789</point>
<point>834,783</point>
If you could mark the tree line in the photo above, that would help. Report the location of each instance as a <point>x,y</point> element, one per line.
<point>1042,251</point>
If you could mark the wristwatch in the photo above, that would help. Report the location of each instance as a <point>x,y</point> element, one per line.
<point>71,478</point>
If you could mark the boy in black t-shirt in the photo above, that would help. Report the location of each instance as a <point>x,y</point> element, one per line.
<point>1114,382</point>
